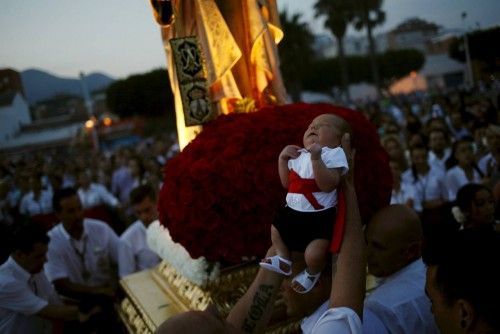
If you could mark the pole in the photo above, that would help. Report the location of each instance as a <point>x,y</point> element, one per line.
<point>470,74</point>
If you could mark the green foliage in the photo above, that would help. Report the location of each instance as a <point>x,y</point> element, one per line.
<point>483,46</point>
<point>147,94</point>
<point>325,73</point>
<point>338,13</point>
<point>295,51</point>
<point>368,13</point>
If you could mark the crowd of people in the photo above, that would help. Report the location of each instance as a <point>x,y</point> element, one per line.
<point>432,250</point>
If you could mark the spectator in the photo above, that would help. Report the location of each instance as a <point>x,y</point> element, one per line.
<point>81,251</point>
<point>430,191</point>
<point>461,168</point>
<point>402,193</point>
<point>462,281</point>
<point>28,301</point>
<point>399,303</point>
<point>476,207</point>
<point>143,200</point>
<point>94,194</point>
<point>37,201</point>
<point>253,310</point>
<point>439,151</point>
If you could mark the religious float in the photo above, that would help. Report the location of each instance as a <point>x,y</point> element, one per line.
<point>221,192</point>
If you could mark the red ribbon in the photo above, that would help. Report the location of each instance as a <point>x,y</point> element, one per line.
<point>307,187</point>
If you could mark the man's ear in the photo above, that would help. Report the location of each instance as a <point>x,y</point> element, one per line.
<point>465,314</point>
<point>414,250</point>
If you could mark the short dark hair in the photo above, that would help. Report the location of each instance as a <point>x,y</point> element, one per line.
<point>466,194</point>
<point>138,194</point>
<point>26,235</point>
<point>466,269</point>
<point>61,194</point>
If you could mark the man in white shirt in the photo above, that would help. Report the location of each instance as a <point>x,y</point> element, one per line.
<point>139,256</point>
<point>253,311</point>
<point>399,303</point>
<point>82,252</point>
<point>439,150</point>
<point>94,194</point>
<point>27,299</point>
<point>38,201</point>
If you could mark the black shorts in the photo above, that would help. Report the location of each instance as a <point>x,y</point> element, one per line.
<point>298,229</point>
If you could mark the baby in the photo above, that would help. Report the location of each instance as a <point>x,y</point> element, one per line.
<point>311,175</point>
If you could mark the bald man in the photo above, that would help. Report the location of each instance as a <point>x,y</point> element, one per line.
<point>399,303</point>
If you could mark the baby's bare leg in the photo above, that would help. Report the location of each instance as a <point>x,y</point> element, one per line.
<point>279,248</point>
<point>316,255</point>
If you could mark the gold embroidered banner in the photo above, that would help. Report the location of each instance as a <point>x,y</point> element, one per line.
<point>192,79</point>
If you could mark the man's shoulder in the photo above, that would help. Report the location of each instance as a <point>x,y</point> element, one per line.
<point>132,231</point>
<point>95,224</point>
<point>404,286</point>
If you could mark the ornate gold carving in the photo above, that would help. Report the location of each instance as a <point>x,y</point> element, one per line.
<point>173,294</point>
<point>223,292</point>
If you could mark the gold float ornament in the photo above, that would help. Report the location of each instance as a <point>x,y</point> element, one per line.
<point>163,12</point>
<point>192,79</point>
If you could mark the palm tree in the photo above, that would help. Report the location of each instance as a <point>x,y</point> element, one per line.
<point>296,52</point>
<point>339,13</point>
<point>368,15</point>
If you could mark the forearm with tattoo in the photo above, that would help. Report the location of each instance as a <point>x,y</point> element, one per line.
<point>260,303</point>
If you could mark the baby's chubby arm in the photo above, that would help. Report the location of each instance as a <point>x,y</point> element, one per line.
<point>327,179</point>
<point>289,152</point>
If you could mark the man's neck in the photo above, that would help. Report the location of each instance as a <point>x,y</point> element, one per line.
<point>20,263</point>
<point>439,154</point>
<point>75,231</point>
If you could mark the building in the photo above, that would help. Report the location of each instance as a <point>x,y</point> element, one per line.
<point>413,33</point>
<point>14,113</point>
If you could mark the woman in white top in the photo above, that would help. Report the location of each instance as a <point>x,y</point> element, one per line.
<point>461,168</point>
<point>402,192</point>
<point>430,191</point>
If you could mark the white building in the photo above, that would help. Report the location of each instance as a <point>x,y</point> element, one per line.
<point>14,112</point>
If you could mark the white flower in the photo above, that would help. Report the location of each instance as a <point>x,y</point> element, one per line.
<point>198,271</point>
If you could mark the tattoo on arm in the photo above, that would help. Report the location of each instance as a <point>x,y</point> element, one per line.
<point>257,310</point>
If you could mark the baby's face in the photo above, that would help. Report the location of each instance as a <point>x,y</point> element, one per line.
<point>324,131</point>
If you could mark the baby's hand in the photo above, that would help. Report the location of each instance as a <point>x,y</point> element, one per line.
<point>315,150</point>
<point>289,152</point>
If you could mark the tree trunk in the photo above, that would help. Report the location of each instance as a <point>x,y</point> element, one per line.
<point>371,50</point>
<point>344,76</point>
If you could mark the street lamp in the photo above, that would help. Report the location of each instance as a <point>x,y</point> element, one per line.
<point>470,75</point>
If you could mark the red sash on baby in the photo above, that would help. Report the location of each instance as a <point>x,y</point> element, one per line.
<point>307,187</point>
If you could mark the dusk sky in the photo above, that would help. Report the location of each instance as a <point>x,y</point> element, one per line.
<point>119,37</point>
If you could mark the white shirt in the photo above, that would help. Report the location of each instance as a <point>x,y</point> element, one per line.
<point>485,162</point>
<point>95,195</point>
<point>400,304</point>
<point>138,256</point>
<point>31,207</point>
<point>427,187</point>
<point>22,296</point>
<point>438,163</point>
<point>99,246</point>
<point>455,179</point>
<point>405,193</point>
<point>333,158</point>
<point>338,320</point>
